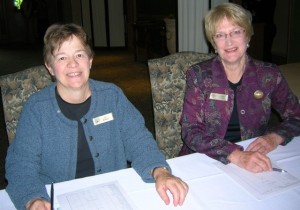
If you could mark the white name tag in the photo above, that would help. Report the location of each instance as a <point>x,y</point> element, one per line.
<point>103,119</point>
<point>218,96</point>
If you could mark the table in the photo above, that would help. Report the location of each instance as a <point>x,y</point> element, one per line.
<point>210,187</point>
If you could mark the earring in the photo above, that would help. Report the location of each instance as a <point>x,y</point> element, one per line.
<point>248,45</point>
<point>216,51</point>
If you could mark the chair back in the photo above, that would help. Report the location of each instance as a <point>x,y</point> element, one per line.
<point>167,78</point>
<point>16,89</point>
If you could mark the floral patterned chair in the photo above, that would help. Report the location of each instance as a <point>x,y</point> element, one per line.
<point>16,89</point>
<point>167,77</point>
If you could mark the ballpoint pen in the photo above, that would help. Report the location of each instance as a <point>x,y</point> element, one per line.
<point>51,196</point>
<point>279,170</point>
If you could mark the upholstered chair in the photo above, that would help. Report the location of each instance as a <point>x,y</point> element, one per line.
<point>3,147</point>
<point>16,89</point>
<point>167,77</point>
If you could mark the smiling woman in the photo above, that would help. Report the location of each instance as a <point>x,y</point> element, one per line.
<point>78,127</point>
<point>223,93</point>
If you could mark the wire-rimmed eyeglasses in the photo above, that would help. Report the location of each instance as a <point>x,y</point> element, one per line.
<point>236,33</point>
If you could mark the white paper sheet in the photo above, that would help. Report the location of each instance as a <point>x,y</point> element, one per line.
<point>260,185</point>
<point>99,197</point>
<point>4,205</point>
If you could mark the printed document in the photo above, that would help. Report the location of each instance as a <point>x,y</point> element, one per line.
<point>99,197</point>
<point>260,185</point>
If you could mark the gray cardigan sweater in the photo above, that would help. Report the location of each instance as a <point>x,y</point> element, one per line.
<point>45,147</point>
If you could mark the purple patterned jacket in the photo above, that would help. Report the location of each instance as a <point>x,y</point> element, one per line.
<point>206,111</point>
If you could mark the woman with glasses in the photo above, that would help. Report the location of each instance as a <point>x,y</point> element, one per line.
<point>229,98</point>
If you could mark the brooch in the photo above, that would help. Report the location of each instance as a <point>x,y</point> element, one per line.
<point>258,94</point>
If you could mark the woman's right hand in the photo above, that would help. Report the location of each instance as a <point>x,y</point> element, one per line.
<point>252,161</point>
<point>38,204</point>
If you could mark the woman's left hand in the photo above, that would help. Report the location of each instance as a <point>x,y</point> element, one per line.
<point>265,144</point>
<point>164,181</point>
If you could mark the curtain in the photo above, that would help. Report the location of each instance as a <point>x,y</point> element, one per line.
<point>191,35</point>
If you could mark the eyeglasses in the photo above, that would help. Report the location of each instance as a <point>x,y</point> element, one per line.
<point>237,33</point>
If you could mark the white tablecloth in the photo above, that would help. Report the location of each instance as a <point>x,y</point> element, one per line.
<point>210,187</point>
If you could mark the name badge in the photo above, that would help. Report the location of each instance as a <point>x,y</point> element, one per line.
<point>218,96</point>
<point>103,119</point>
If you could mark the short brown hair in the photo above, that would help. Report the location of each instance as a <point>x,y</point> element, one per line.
<point>234,13</point>
<point>56,34</point>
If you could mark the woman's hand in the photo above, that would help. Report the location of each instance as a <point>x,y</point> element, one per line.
<point>251,161</point>
<point>265,144</point>
<point>38,204</point>
<point>165,181</point>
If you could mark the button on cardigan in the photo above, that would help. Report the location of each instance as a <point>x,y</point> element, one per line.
<point>45,147</point>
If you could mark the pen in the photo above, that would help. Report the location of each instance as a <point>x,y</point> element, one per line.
<point>279,170</point>
<point>51,196</point>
